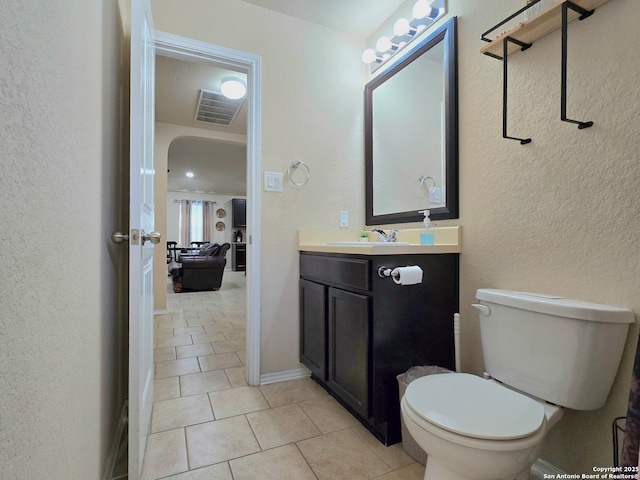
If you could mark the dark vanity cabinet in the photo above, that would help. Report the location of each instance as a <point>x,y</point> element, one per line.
<point>313,319</point>
<point>359,331</point>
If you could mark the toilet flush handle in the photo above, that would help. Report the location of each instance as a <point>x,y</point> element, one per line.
<point>483,309</point>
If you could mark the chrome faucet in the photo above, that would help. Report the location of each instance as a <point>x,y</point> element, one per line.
<point>383,237</point>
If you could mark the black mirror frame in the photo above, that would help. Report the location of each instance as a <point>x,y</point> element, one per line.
<point>447,33</point>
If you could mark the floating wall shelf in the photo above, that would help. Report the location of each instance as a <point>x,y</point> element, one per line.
<point>539,26</point>
<point>523,36</point>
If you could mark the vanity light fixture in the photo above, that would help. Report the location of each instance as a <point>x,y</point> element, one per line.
<point>384,44</point>
<point>403,27</point>
<point>233,88</point>
<point>423,9</point>
<point>370,56</point>
<point>425,13</point>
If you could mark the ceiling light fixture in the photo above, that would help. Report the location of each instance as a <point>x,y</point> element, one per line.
<point>190,174</point>
<point>425,13</point>
<point>233,88</point>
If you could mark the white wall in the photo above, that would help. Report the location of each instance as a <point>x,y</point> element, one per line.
<point>60,345</point>
<point>173,214</point>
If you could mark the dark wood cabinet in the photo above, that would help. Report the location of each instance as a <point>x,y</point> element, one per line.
<point>313,317</point>
<point>239,212</point>
<point>359,331</point>
<point>349,356</point>
<point>239,257</point>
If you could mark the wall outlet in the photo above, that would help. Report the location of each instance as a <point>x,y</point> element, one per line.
<point>344,218</point>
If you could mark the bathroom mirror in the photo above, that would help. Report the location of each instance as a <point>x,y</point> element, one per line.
<point>411,134</point>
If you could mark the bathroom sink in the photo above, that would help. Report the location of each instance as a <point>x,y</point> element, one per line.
<point>364,244</point>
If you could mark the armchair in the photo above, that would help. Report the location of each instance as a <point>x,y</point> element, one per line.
<point>202,271</point>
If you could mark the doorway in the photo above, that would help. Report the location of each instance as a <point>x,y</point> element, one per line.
<point>190,50</point>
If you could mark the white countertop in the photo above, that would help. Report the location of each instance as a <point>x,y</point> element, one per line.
<point>448,240</point>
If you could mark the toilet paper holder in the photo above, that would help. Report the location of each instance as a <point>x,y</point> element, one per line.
<point>387,272</point>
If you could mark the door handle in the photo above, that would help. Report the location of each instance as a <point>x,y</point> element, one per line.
<point>119,237</point>
<point>153,237</point>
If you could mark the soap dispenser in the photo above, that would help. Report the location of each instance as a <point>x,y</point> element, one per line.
<point>426,236</point>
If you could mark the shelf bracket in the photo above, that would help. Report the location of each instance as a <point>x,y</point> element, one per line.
<point>563,93</point>
<point>484,37</point>
<point>505,61</point>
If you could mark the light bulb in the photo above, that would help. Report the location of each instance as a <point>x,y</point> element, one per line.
<point>421,9</point>
<point>233,88</point>
<point>369,56</point>
<point>402,27</point>
<point>383,44</point>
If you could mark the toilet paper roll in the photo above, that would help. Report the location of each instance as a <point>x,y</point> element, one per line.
<point>407,275</point>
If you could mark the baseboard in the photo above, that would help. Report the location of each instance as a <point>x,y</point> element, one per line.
<point>119,436</point>
<point>162,311</point>
<point>283,376</point>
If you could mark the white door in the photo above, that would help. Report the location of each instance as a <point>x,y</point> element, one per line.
<point>141,238</point>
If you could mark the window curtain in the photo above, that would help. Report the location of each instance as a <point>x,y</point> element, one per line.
<point>207,215</point>
<point>195,221</point>
<point>183,223</point>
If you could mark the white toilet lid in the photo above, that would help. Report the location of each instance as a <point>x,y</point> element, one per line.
<point>469,405</point>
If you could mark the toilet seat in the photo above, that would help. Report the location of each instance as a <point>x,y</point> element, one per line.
<point>471,406</point>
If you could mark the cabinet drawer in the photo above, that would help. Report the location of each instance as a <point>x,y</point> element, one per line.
<point>338,271</point>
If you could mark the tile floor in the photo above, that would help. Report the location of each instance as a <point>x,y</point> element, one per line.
<point>208,424</point>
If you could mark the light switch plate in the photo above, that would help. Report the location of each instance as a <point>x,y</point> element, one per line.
<point>272,182</point>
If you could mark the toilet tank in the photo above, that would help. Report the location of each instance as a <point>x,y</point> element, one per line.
<point>563,351</point>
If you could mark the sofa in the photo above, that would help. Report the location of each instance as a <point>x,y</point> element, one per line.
<point>203,271</point>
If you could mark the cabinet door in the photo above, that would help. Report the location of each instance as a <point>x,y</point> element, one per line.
<point>313,327</point>
<point>349,348</point>
<point>239,257</point>
<point>239,212</point>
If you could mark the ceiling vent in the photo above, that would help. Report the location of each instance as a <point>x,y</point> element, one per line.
<point>213,107</point>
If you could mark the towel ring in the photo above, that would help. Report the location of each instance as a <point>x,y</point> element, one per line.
<point>292,169</point>
<point>430,182</point>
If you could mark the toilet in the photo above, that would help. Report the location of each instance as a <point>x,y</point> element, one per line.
<point>542,354</point>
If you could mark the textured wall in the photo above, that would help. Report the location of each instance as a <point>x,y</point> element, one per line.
<point>59,186</point>
<point>560,215</point>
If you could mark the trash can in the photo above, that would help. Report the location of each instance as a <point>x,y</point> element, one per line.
<point>409,445</point>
